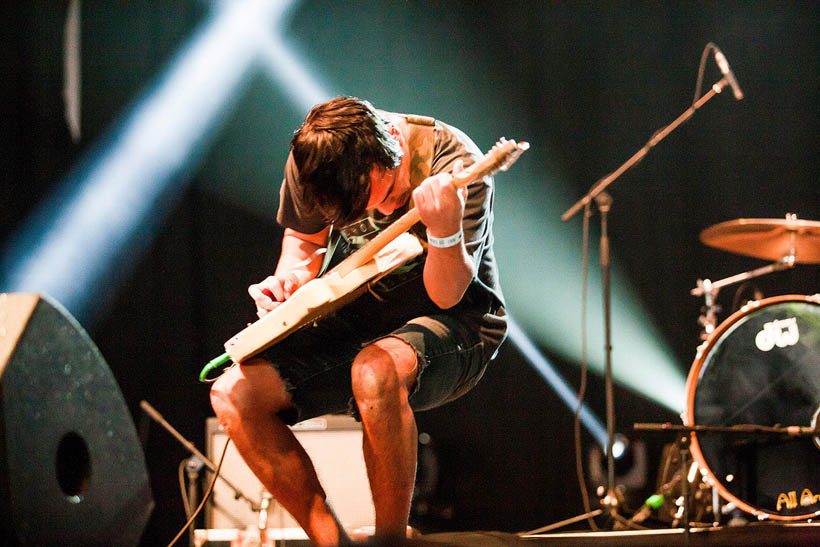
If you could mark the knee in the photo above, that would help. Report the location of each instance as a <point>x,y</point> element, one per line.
<point>373,375</point>
<point>223,393</point>
<point>245,390</point>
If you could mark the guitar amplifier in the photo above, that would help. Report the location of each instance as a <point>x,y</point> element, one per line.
<point>334,444</point>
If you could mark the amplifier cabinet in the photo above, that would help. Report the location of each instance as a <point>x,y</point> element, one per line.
<point>334,444</point>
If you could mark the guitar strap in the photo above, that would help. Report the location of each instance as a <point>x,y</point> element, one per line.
<point>421,142</point>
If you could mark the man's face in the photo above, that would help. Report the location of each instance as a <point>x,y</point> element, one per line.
<point>385,195</point>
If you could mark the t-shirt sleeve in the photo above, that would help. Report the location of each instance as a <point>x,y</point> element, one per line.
<point>452,145</point>
<point>293,213</point>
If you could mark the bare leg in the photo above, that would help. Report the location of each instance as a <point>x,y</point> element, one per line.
<point>246,399</point>
<point>382,375</point>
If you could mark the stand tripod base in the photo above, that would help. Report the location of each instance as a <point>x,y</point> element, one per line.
<point>567,522</point>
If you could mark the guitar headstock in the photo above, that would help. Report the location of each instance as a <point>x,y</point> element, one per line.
<point>499,158</point>
<point>507,152</point>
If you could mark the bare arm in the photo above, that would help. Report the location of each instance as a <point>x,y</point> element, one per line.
<point>448,271</point>
<point>298,263</point>
<point>298,247</point>
<point>447,274</point>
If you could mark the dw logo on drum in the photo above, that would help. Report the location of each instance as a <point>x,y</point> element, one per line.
<point>780,333</point>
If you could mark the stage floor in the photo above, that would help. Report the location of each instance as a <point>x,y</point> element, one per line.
<point>757,534</point>
<point>764,534</point>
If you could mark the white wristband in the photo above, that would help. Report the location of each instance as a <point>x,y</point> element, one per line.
<point>444,242</point>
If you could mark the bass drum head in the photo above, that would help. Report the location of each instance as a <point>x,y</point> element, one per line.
<point>762,367</point>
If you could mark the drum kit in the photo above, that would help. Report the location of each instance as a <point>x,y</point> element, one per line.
<point>753,391</point>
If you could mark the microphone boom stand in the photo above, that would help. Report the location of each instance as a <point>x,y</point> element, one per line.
<point>601,185</point>
<point>157,417</point>
<point>604,203</point>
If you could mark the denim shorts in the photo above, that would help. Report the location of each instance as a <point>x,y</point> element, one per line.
<point>315,362</point>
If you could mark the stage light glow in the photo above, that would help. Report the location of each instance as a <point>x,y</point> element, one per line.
<point>618,447</point>
<point>106,209</point>
<point>542,365</point>
<point>283,64</point>
<point>540,262</point>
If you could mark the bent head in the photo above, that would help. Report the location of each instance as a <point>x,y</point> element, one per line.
<point>336,150</point>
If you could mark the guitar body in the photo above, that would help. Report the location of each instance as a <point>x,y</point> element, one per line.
<point>320,297</point>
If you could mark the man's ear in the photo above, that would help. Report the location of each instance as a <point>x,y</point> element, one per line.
<point>394,130</point>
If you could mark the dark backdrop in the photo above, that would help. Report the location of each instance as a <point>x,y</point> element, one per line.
<point>587,83</point>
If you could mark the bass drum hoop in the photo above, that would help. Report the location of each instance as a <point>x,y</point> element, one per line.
<point>704,351</point>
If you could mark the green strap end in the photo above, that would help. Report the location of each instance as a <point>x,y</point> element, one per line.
<point>212,364</point>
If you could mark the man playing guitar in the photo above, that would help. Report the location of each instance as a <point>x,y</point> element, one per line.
<point>419,337</point>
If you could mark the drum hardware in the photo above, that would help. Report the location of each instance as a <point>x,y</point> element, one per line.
<point>709,290</point>
<point>671,481</point>
<point>687,493</point>
<point>787,241</point>
<point>675,493</point>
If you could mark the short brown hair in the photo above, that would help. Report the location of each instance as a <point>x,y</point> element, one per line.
<point>335,150</point>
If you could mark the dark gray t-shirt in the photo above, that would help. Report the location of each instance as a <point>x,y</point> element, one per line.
<point>483,303</point>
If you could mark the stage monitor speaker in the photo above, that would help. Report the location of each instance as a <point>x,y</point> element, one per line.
<point>334,444</point>
<point>72,470</point>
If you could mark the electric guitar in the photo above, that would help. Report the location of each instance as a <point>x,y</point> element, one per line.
<point>350,278</point>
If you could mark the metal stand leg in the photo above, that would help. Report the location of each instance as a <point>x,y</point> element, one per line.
<point>683,447</point>
<point>193,466</point>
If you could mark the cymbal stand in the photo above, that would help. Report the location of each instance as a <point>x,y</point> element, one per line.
<point>709,290</point>
<point>683,446</point>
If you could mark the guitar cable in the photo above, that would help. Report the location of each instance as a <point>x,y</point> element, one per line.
<point>212,364</point>
<point>579,466</point>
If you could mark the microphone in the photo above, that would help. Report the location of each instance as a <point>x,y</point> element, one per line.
<point>723,65</point>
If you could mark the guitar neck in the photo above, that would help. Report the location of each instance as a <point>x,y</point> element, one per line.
<point>407,221</point>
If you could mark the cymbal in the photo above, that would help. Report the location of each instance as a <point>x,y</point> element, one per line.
<point>767,238</point>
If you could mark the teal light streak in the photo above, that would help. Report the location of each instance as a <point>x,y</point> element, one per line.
<point>540,261</point>
<point>86,232</point>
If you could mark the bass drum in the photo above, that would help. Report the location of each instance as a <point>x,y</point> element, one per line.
<point>761,366</point>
